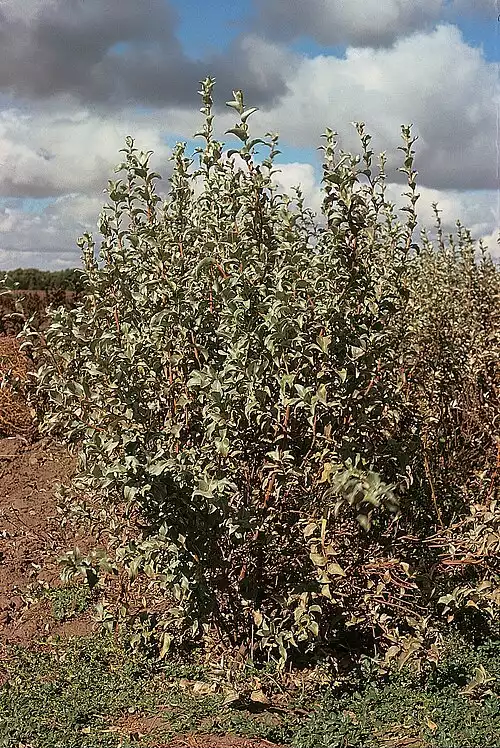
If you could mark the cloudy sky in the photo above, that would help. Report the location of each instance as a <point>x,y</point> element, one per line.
<point>77,76</point>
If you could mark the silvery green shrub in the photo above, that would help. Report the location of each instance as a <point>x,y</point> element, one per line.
<point>234,379</point>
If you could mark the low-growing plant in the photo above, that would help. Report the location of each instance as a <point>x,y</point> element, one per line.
<point>94,693</point>
<point>456,704</point>
<point>249,390</point>
<point>68,602</point>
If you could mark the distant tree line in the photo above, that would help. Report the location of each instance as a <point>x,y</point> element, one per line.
<point>32,279</point>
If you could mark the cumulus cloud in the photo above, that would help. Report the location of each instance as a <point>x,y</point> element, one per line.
<point>434,81</point>
<point>302,175</point>
<point>46,239</point>
<point>477,210</point>
<point>44,153</point>
<point>72,73</point>
<point>113,53</point>
<point>359,23</point>
<point>375,23</point>
<point>51,46</point>
<point>55,147</point>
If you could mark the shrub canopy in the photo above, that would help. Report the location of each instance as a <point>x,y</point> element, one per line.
<point>280,411</point>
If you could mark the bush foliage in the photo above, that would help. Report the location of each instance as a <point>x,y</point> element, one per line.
<point>289,419</point>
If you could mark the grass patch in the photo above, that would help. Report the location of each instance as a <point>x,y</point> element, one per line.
<point>68,602</point>
<point>455,706</point>
<point>91,693</point>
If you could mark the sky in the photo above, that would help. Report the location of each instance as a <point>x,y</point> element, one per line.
<point>78,76</point>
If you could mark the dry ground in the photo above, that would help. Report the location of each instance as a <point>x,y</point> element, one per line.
<point>31,539</point>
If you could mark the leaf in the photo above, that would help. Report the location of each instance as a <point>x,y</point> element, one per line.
<point>259,697</point>
<point>165,647</point>
<point>231,696</point>
<point>248,113</point>
<point>258,618</point>
<point>202,688</point>
<point>321,394</point>
<point>313,626</point>
<point>325,591</point>
<point>222,446</point>
<point>310,529</point>
<point>318,559</point>
<point>256,141</point>
<point>335,569</point>
<point>324,342</point>
<point>328,469</point>
<point>364,521</point>
<point>481,678</point>
<point>239,132</point>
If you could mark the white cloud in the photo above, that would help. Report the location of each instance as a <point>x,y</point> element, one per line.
<point>45,153</point>
<point>434,81</point>
<point>297,174</point>
<point>363,23</point>
<point>47,239</point>
<point>477,210</point>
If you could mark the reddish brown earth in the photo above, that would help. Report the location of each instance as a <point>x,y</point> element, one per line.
<point>212,741</point>
<point>32,539</point>
<point>31,535</point>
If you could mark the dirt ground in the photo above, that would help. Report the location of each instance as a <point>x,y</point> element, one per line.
<point>208,741</point>
<point>31,535</point>
<point>32,539</point>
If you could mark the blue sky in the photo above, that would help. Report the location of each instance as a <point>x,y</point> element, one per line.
<point>77,76</point>
<point>207,27</point>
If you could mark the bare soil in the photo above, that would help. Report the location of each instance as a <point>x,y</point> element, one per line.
<point>142,726</point>
<point>32,539</point>
<point>213,741</point>
<point>31,535</point>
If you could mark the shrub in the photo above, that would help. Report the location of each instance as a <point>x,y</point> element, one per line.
<point>236,376</point>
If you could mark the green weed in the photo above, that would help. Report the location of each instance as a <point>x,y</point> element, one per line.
<point>68,602</point>
<point>83,693</point>
<point>458,704</point>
